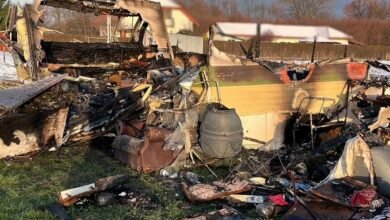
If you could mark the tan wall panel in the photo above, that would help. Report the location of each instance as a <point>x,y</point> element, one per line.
<point>258,99</point>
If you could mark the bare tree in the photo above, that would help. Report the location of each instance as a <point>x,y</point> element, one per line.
<point>368,9</point>
<point>257,10</point>
<point>231,8</point>
<point>308,9</point>
<point>357,9</point>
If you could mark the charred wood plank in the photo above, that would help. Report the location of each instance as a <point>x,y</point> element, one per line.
<point>89,6</point>
<point>88,53</point>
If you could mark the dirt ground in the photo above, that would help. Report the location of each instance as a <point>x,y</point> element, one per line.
<point>29,187</point>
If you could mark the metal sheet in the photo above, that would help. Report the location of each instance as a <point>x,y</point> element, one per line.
<point>12,98</point>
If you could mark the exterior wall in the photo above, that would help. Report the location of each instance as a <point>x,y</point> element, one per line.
<point>180,22</point>
<point>279,98</point>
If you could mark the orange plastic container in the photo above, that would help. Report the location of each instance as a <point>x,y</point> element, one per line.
<point>357,71</point>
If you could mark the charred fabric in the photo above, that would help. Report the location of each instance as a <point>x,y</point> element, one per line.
<point>70,93</point>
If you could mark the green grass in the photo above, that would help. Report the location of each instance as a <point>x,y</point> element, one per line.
<point>27,188</point>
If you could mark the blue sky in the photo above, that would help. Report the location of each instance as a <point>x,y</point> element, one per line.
<point>340,6</point>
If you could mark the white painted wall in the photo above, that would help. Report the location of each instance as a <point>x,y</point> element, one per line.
<point>187,43</point>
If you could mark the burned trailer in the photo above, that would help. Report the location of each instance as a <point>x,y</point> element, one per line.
<point>277,89</point>
<point>76,91</point>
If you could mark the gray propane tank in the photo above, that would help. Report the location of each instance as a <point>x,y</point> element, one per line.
<point>221,132</point>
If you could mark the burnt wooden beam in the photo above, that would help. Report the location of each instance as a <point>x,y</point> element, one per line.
<point>90,53</point>
<point>33,61</point>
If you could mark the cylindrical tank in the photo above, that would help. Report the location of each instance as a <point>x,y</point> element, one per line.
<point>221,132</point>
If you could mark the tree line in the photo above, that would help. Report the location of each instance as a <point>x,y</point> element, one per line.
<point>368,21</point>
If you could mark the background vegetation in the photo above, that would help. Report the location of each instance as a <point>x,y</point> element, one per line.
<point>3,14</point>
<point>368,21</point>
